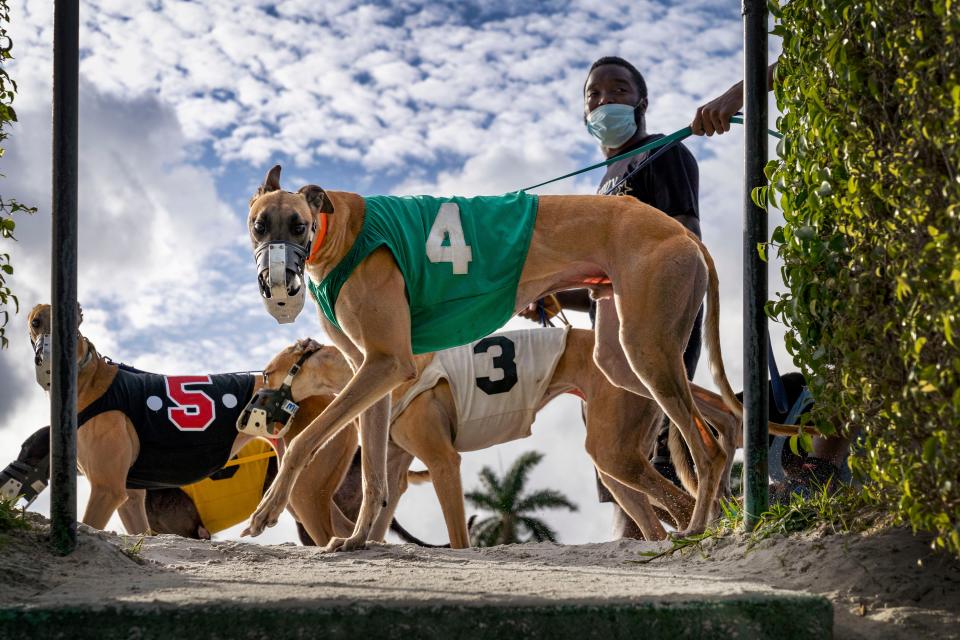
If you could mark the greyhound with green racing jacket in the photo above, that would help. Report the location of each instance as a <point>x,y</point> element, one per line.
<point>399,276</point>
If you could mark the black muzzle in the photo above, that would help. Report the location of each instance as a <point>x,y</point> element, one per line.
<point>280,275</point>
<point>270,412</point>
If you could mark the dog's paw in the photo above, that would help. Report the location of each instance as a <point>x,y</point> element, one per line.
<point>353,543</point>
<point>334,545</point>
<point>687,533</point>
<point>267,514</point>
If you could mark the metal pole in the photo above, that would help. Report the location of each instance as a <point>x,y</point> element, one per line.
<point>63,391</point>
<point>755,401</point>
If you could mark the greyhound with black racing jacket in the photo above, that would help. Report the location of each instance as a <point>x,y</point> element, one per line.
<point>143,431</point>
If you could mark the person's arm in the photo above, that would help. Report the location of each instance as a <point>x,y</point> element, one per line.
<point>572,300</point>
<point>714,116</point>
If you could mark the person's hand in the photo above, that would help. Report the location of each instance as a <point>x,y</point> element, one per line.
<point>714,117</point>
<point>532,310</point>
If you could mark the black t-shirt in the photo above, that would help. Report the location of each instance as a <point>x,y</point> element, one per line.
<point>670,183</point>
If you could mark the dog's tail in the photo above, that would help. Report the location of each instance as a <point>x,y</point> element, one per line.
<point>418,477</point>
<point>682,462</point>
<point>712,333</point>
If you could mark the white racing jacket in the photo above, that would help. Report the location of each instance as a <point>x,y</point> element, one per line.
<point>497,384</point>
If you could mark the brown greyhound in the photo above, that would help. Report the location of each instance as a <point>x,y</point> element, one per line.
<point>117,463</point>
<point>453,406</point>
<point>376,283</point>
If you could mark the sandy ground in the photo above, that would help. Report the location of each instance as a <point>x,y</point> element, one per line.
<point>883,585</point>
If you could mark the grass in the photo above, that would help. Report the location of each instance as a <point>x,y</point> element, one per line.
<point>827,510</point>
<point>134,550</point>
<point>11,516</point>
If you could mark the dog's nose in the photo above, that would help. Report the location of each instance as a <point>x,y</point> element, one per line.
<point>294,282</point>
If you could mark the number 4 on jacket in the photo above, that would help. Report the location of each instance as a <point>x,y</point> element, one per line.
<point>448,225</point>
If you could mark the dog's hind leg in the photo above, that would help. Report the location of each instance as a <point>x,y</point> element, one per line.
<point>425,429</point>
<point>133,512</point>
<point>620,433</point>
<point>656,319</point>
<point>637,507</point>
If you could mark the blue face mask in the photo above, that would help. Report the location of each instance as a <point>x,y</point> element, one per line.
<point>612,124</point>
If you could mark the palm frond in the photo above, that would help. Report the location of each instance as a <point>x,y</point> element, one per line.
<point>544,499</point>
<point>490,481</point>
<point>539,530</point>
<point>482,500</point>
<point>516,477</point>
<point>486,533</point>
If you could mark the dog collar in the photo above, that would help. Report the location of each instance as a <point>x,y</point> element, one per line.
<point>319,238</point>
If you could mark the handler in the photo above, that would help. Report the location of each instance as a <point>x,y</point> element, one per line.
<point>614,111</point>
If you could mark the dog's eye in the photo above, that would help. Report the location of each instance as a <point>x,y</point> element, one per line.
<point>36,323</point>
<point>259,227</point>
<point>299,228</point>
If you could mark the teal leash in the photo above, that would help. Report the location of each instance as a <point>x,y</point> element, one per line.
<point>676,136</point>
<point>673,137</point>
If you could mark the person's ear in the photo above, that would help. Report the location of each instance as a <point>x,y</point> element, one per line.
<point>642,106</point>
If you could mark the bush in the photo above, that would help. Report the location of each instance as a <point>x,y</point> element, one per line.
<point>8,207</point>
<point>868,183</point>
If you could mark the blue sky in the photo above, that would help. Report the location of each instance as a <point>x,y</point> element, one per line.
<point>185,105</point>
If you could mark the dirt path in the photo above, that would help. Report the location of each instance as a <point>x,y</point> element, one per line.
<point>875,582</point>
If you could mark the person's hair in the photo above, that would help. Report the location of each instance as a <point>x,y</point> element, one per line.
<point>620,62</point>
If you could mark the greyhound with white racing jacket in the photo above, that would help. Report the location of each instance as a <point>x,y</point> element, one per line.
<point>395,276</point>
<point>486,393</point>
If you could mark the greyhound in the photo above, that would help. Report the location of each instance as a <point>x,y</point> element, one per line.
<point>122,458</point>
<point>487,393</point>
<point>395,276</point>
<point>169,510</point>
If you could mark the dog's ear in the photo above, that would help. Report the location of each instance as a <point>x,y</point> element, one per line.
<point>270,183</point>
<point>317,198</point>
<point>79,314</point>
<point>306,344</point>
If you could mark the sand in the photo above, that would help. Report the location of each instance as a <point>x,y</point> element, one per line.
<point>886,584</point>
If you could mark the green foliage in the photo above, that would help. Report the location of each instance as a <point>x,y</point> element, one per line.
<point>11,516</point>
<point>511,507</point>
<point>134,549</point>
<point>8,207</point>
<point>829,509</point>
<point>869,187</point>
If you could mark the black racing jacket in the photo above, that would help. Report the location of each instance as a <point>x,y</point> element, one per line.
<point>186,424</point>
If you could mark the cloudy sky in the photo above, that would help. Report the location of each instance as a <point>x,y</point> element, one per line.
<point>185,105</point>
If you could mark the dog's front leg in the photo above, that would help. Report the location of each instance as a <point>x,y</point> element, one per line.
<point>374,432</point>
<point>106,448</point>
<point>375,378</point>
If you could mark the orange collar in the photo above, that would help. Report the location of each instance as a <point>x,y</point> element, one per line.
<point>320,237</point>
